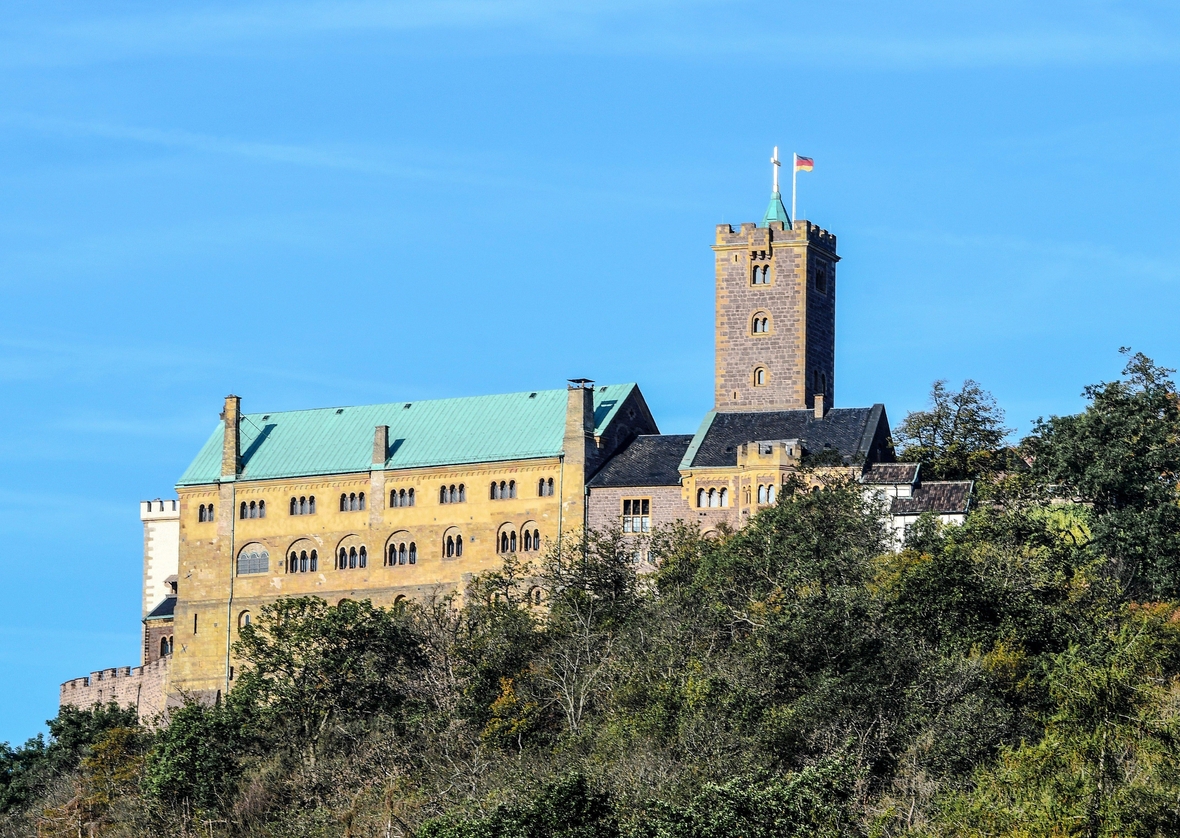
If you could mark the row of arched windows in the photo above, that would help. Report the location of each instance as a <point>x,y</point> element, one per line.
<point>502,490</point>
<point>766,493</point>
<point>352,502</point>
<point>545,487</point>
<point>165,646</point>
<point>205,513</point>
<point>351,557</point>
<point>254,558</point>
<point>402,554</point>
<point>452,494</point>
<point>303,505</point>
<point>401,497</point>
<point>760,325</point>
<point>453,546</point>
<point>303,561</point>
<point>530,540</point>
<point>712,498</point>
<point>254,509</point>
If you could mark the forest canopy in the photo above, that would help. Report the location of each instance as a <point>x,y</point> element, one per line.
<point>802,676</point>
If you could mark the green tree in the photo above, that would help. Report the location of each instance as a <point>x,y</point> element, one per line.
<point>193,764</point>
<point>959,437</point>
<point>1121,455</point>
<point>306,665</point>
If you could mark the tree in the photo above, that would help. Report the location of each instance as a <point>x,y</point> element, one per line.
<point>306,664</point>
<point>193,764</point>
<point>959,437</point>
<point>1121,455</point>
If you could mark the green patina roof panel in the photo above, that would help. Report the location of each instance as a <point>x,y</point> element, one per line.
<point>478,429</point>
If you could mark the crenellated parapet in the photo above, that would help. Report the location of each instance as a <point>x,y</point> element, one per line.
<point>141,687</point>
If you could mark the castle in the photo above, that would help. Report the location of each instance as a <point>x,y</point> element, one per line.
<point>396,501</point>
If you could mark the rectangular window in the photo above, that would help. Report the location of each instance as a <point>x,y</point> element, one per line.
<point>637,515</point>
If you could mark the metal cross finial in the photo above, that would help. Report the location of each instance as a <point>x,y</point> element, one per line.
<point>774,160</point>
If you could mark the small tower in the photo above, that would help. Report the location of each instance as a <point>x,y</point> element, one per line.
<point>776,313</point>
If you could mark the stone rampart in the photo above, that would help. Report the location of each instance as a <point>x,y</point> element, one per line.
<point>141,687</point>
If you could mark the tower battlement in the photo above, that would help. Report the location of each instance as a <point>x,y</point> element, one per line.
<point>750,234</point>
<point>159,510</point>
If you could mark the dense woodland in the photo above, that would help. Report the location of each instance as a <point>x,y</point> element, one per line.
<point>1015,676</point>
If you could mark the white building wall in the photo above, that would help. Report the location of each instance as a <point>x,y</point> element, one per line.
<point>161,548</point>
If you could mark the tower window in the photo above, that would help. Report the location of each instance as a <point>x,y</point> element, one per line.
<point>821,279</point>
<point>545,487</point>
<point>760,377</point>
<point>761,275</point>
<point>760,325</point>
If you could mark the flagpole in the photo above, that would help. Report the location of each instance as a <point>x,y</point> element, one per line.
<point>794,181</point>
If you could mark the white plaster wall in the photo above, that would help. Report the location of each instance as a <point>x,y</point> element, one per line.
<point>161,548</point>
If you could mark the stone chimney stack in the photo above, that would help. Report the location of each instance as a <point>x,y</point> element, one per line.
<point>231,447</point>
<point>819,406</point>
<point>380,446</point>
<point>579,444</point>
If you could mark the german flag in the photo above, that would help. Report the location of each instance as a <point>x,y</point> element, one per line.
<point>803,164</point>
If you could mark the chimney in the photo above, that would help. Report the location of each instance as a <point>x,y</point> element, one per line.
<point>380,446</point>
<point>231,446</point>
<point>579,421</point>
<point>819,406</point>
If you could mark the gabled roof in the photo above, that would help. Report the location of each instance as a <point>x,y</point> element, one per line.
<point>164,610</point>
<point>650,460</point>
<point>857,433</point>
<point>478,429</point>
<point>947,497</point>
<point>891,474</point>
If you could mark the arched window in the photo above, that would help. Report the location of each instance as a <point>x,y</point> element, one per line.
<point>163,646</point>
<point>413,553</point>
<point>536,539</point>
<point>342,559</point>
<point>201,514</point>
<point>503,490</point>
<point>243,620</point>
<point>311,505</point>
<point>770,493</point>
<point>293,562</point>
<point>361,501</point>
<point>401,553</point>
<point>511,488</point>
<point>303,510</point>
<point>528,541</point>
<point>458,545</point>
<point>494,492</point>
<point>253,558</point>
<point>242,513</point>
<point>453,495</point>
<point>442,495</point>
<point>362,557</point>
<point>512,542</point>
<point>700,497</point>
<point>449,547</point>
<point>344,503</point>
<point>759,377</point>
<point>761,493</point>
<point>503,542</point>
<point>746,495</point>
<point>541,488</point>
<point>261,509</point>
<point>303,561</point>
<point>352,557</point>
<point>294,507</point>
<point>724,497</point>
<point>410,498</point>
<point>462,493</point>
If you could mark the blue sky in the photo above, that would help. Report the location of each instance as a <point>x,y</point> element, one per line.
<point>324,203</point>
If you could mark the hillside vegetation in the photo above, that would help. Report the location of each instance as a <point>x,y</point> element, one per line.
<point>1016,676</point>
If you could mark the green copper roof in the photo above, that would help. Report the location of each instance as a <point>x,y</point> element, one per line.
<point>776,211</point>
<point>330,440</point>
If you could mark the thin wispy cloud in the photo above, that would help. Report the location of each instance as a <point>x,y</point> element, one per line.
<point>850,35</point>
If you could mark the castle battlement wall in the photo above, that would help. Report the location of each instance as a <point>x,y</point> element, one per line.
<point>751,235</point>
<point>141,687</point>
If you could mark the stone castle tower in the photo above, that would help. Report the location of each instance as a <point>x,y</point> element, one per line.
<point>776,315</point>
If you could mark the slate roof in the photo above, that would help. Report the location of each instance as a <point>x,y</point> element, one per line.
<point>945,496</point>
<point>858,433</point>
<point>478,429</point>
<point>650,460</point>
<point>164,610</point>
<point>891,474</point>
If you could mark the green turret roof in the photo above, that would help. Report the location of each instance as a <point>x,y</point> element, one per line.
<point>776,211</point>
<point>331,440</point>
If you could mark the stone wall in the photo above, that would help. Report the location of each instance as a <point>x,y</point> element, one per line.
<point>141,687</point>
